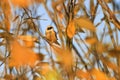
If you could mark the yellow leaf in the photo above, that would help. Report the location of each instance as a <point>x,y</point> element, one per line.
<point>28,40</point>
<point>52,75</point>
<point>71,29</point>
<point>108,1</point>
<point>21,3</point>
<point>39,1</point>
<point>112,78</point>
<point>98,75</point>
<point>100,48</point>
<point>29,44</point>
<point>91,40</point>
<point>114,53</point>
<point>82,74</point>
<point>21,55</point>
<point>85,23</point>
<point>5,6</point>
<point>65,57</point>
<point>47,71</point>
<point>27,37</point>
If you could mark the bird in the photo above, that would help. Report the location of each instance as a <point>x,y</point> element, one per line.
<point>51,35</point>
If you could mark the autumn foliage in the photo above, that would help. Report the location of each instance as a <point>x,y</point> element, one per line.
<point>87,33</point>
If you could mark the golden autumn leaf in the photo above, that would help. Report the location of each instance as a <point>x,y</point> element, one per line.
<point>82,74</point>
<point>91,40</point>
<point>67,59</point>
<point>114,53</point>
<point>112,78</point>
<point>27,37</point>
<point>39,1</point>
<point>100,48</point>
<point>98,75</point>
<point>6,8</point>
<point>85,23</point>
<point>9,77</point>
<point>64,56</point>
<point>48,72</point>
<point>29,44</point>
<point>21,3</point>
<point>45,68</point>
<point>28,40</point>
<point>21,55</point>
<point>108,1</point>
<point>71,29</point>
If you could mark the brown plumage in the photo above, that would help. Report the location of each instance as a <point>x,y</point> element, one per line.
<point>51,35</point>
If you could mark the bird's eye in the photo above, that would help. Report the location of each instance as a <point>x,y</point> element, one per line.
<point>49,28</point>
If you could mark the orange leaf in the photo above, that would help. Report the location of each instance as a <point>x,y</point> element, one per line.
<point>27,37</point>
<point>21,3</point>
<point>71,29</point>
<point>108,1</point>
<point>5,6</point>
<point>21,55</point>
<point>91,40</point>
<point>28,40</point>
<point>100,48</point>
<point>64,56</point>
<point>85,23</point>
<point>98,75</point>
<point>82,74</point>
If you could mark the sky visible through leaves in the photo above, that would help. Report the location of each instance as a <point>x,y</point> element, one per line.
<point>59,40</point>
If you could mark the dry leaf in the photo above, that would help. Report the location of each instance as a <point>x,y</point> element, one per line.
<point>21,56</point>
<point>21,3</point>
<point>9,77</point>
<point>71,29</point>
<point>91,40</point>
<point>29,44</point>
<point>64,56</point>
<point>39,1</point>
<point>5,6</point>
<point>100,48</point>
<point>27,37</point>
<point>85,23</point>
<point>98,75</point>
<point>47,71</point>
<point>112,78</point>
<point>108,1</point>
<point>113,53</point>
<point>82,74</point>
<point>28,40</point>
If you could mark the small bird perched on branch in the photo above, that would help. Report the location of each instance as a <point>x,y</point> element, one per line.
<point>51,35</point>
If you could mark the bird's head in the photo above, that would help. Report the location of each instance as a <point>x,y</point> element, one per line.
<point>49,27</point>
